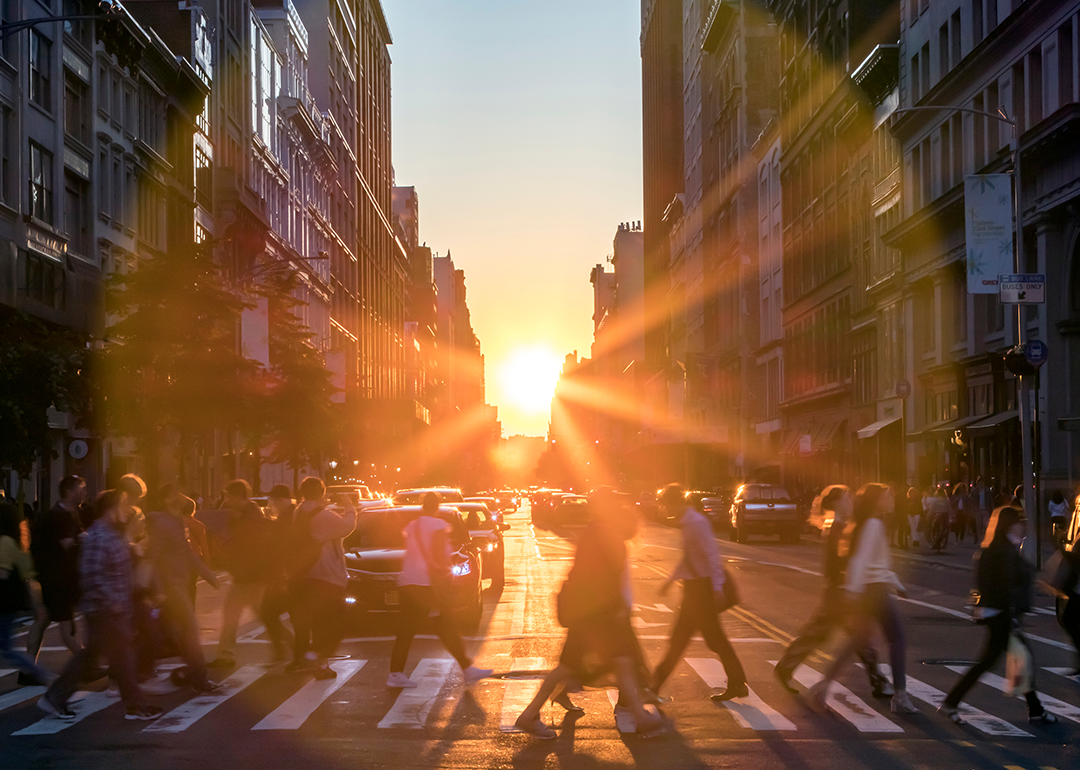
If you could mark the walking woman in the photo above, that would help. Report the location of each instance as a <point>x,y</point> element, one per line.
<point>599,637</point>
<point>872,586</point>
<point>1003,578</point>
<point>16,566</point>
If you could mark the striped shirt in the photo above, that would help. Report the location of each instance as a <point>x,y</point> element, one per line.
<point>105,570</point>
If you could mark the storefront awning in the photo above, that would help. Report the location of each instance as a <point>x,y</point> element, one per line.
<point>821,437</point>
<point>988,425</point>
<point>872,429</point>
<point>941,428</point>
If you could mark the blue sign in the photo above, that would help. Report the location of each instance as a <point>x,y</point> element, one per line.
<point>1035,352</point>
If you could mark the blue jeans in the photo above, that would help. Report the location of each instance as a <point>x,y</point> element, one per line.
<point>109,634</point>
<point>18,659</point>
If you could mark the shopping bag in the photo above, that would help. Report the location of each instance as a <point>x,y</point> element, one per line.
<point>1017,667</point>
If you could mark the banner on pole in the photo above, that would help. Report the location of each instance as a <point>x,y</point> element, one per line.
<point>988,220</point>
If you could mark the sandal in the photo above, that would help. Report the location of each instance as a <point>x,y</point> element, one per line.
<point>535,727</point>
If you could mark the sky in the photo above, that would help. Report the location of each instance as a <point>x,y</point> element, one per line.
<point>519,124</point>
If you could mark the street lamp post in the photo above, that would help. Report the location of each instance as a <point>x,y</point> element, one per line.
<point>1024,406</point>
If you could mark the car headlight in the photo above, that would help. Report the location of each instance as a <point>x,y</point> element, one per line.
<point>460,569</point>
<point>489,547</point>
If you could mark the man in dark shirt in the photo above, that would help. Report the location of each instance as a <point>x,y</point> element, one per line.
<point>54,544</point>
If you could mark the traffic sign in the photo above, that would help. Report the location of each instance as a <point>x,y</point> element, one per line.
<point>903,389</point>
<point>1022,289</point>
<point>1035,352</point>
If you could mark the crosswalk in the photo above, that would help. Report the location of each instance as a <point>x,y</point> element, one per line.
<point>273,701</point>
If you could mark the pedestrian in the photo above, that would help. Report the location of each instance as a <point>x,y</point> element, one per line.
<point>196,537</point>
<point>913,506</point>
<point>145,614</point>
<point>107,589</point>
<point>982,502</point>
<point>599,637</point>
<point>832,613</point>
<point>940,518</point>
<point>319,591</point>
<point>872,586</point>
<point>1003,580</point>
<point>249,537</point>
<point>424,574</point>
<point>1070,617</point>
<point>1059,515</point>
<point>16,570</point>
<point>176,567</point>
<point>278,597</point>
<point>54,545</point>
<point>962,521</point>
<point>702,574</point>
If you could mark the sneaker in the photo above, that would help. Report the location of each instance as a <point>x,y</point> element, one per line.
<point>206,687</point>
<point>1042,718</point>
<point>60,712</point>
<point>143,713</point>
<point>473,675</point>
<point>325,672</point>
<point>398,679</point>
<point>113,690</point>
<point>901,704</point>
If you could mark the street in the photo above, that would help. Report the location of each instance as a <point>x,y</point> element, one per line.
<point>266,718</point>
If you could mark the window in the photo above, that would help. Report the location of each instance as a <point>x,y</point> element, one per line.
<point>8,14</point>
<point>943,51</point>
<point>76,107</point>
<point>960,304</point>
<point>78,30</point>
<point>916,93</point>
<point>957,150</point>
<point>8,137</point>
<point>954,40</point>
<point>40,70</point>
<point>41,183</point>
<point>1035,87</point>
<point>924,58</point>
<point>45,281</point>
<point>77,214</point>
<point>977,33</point>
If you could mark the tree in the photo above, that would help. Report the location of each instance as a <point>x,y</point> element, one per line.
<point>303,424</point>
<point>41,366</point>
<point>171,360</point>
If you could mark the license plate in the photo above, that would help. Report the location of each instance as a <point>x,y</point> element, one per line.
<point>391,598</point>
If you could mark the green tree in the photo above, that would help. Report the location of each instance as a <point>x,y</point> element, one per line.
<point>41,366</point>
<point>171,360</point>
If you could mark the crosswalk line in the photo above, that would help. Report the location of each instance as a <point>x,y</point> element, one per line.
<point>82,703</point>
<point>291,714</point>
<point>412,706</point>
<point>184,716</point>
<point>980,720</point>
<point>23,694</point>
<point>5,671</point>
<point>1064,671</point>
<point>1058,707</point>
<point>518,692</point>
<point>846,705</point>
<point>625,721</point>
<point>750,712</point>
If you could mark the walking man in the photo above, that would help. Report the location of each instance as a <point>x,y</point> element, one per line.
<point>702,574</point>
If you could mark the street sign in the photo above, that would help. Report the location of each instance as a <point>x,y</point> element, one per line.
<point>1022,289</point>
<point>903,389</point>
<point>1035,352</point>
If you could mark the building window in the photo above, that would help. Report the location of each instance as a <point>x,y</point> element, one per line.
<point>41,183</point>
<point>79,31</point>
<point>77,214</point>
<point>40,70</point>
<point>204,179</point>
<point>8,15</point>
<point>76,107</point>
<point>45,281</point>
<point>7,154</point>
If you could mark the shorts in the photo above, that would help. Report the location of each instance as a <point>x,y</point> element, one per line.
<point>59,602</point>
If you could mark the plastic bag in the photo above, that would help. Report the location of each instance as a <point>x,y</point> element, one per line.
<point>1017,667</point>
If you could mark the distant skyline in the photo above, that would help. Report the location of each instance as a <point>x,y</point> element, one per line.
<point>519,125</point>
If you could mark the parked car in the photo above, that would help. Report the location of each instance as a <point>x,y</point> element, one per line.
<point>375,551</point>
<point>416,496</point>
<point>355,492</point>
<point>716,510</point>
<point>486,532</point>
<point>764,509</point>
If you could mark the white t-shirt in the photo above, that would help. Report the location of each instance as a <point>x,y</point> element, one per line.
<point>419,533</point>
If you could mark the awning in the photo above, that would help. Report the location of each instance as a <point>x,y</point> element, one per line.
<point>820,437</point>
<point>941,428</point>
<point>872,429</point>
<point>791,442</point>
<point>988,425</point>
<point>824,435</point>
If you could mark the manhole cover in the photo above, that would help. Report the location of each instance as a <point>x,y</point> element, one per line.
<point>516,675</point>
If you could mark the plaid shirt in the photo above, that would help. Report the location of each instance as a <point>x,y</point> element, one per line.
<point>105,570</point>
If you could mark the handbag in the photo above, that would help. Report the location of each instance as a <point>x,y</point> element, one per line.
<point>14,592</point>
<point>1017,666</point>
<point>730,591</point>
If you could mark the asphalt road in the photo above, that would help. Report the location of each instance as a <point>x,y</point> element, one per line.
<point>266,718</point>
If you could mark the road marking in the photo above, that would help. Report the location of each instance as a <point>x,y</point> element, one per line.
<point>5,671</point>
<point>1044,611</point>
<point>518,692</point>
<point>252,636</point>
<point>23,694</point>
<point>517,624</point>
<point>291,714</point>
<point>980,720</point>
<point>412,707</point>
<point>82,703</point>
<point>1058,707</point>
<point>184,716</point>
<point>1064,671</point>
<point>846,704</point>
<point>750,712</point>
<point>967,616</point>
<point>762,625</point>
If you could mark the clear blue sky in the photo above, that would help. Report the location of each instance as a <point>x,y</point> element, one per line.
<point>519,123</point>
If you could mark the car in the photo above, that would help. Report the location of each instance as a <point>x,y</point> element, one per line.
<point>764,509</point>
<point>542,503</point>
<point>508,499</point>
<point>491,503</point>
<point>375,551</point>
<point>571,511</point>
<point>416,496</point>
<point>355,492</point>
<point>716,510</point>
<point>486,531</point>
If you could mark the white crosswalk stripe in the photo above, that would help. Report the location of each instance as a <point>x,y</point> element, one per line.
<point>751,712</point>
<point>625,721</point>
<point>82,703</point>
<point>23,694</point>
<point>291,714</point>
<point>845,704</point>
<point>412,706</point>
<point>184,716</point>
<point>1064,671</point>
<point>518,692</point>
<point>1058,707</point>
<point>5,671</point>
<point>980,720</point>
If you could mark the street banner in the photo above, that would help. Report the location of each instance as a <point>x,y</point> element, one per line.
<point>988,220</point>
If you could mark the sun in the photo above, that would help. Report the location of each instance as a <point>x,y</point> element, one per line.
<point>527,378</point>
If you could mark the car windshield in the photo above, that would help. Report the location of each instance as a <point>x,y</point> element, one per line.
<point>382,528</point>
<point>764,492</point>
<point>476,517</point>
